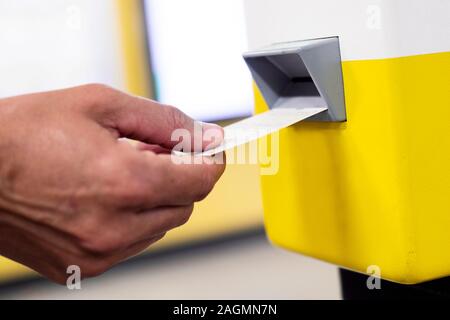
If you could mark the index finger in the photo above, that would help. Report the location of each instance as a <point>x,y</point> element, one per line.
<point>145,120</point>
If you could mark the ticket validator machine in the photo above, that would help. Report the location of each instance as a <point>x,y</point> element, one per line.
<point>368,182</point>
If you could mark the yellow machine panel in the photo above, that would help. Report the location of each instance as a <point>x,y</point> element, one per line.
<point>373,190</point>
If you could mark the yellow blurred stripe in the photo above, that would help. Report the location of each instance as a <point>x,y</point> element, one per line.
<point>133,37</point>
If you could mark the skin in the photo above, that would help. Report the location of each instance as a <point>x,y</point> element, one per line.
<point>73,193</point>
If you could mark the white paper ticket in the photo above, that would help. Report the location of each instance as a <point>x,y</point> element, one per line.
<point>263,124</point>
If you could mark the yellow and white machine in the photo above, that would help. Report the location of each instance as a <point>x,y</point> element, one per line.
<point>373,190</point>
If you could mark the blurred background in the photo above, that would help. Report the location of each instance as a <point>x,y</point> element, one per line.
<point>185,53</point>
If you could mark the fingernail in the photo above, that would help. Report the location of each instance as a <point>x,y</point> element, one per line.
<point>211,126</point>
<point>212,133</point>
<point>208,125</point>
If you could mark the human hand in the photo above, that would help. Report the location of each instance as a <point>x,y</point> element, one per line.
<point>73,193</point>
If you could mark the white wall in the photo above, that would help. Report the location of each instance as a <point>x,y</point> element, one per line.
<point>368,29</point>
<point>49,44</point>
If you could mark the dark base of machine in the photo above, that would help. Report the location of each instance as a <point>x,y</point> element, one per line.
<point>354,287</point>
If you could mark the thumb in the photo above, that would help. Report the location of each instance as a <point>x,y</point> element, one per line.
<point>154,123</point>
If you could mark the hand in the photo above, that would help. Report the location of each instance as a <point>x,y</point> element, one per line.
<point>72,193</point>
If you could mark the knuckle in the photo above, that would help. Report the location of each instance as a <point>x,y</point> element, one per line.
<point>108,165</point>
<point>98,88</point>
<point>123,180</point>
<point>159,237</point>
<point>206,184</point>
<point>105,242</point>
<point>132,191</point>
<point>185,215</point>
<point>119,167</point>
<point>201,194</point>
<point>99,94</point>
<point>175,117</point>
<point>182,217</point>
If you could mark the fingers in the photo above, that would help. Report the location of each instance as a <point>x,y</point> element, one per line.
<point>159,221</point>
<point>164,182</point>
<point>137,229</point>
<point>157,179</point>
<point>132,234</point>
<point>147,121</point>
<point>117,231</point>
<point>136,180</point>
<point>94,264</point>
<point>141,146</point>
<point>137,248</point>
